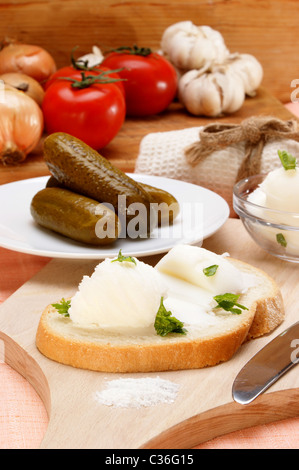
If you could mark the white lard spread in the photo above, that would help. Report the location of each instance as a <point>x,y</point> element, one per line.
<point>127,295</point>
<point>279,192</point>
<point>190,291</point>
<point>118,295</point>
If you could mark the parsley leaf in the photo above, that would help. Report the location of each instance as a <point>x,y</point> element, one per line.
<point>281,240</point>
<point>165,323</point>
<point>287,160</point>
<point>121,258</point>
<point>210,270</point>
<point>63,307</point>
<point>228,303</point>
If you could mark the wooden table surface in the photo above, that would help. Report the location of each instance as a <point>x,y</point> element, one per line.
<point>122,151</point>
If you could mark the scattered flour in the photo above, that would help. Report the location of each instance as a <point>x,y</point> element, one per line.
<point>137,393</point>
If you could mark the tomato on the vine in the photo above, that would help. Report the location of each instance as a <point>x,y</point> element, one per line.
<point>150,80</point>
<point>75,69</point>
<point>71,71</point>
<point>88,105</point>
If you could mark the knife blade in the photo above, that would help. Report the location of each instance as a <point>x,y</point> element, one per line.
<point>267,366</point>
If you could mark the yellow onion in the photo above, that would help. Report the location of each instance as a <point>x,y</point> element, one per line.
<point>26,58</point>
<point>24,83</point>
<point>21,125</point>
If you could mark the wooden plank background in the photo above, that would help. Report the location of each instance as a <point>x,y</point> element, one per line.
<point>268,29</point>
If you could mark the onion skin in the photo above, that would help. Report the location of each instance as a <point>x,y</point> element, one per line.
<point>28,59</point>
<point>21,125</point>
<point>26,84</point>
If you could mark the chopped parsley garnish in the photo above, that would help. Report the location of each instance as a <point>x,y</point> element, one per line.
<point>63,307</point>
<point>229,303</point>
<point>287,160</point>
<point>210,270</point>
<point>122,258</point>
<point>281,240</point>
<point>165,323</point>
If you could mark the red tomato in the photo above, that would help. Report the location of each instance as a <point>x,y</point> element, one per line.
<point>93,114</point>
<point>150,80</point>
<point>71,72</point>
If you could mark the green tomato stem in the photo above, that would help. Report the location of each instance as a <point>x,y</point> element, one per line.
<point>87,81</point>
<point>135,50</point>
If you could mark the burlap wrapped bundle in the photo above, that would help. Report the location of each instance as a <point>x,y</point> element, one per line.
<point>218,155</point>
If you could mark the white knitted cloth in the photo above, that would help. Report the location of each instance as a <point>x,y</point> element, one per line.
<point>162,154</point>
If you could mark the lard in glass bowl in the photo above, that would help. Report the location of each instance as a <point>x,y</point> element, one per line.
<point>268,206</point>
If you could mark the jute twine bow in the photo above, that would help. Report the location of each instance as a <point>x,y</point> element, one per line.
<point>254,131</point>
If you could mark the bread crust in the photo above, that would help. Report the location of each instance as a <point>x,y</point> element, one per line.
<point>264,314</point>
<point>151,357</point>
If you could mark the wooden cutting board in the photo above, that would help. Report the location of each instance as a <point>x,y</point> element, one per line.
<point>203,408</point>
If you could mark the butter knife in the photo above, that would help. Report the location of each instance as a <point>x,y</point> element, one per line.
<point>267,366</point>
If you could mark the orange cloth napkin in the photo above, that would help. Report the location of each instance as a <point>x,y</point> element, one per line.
<point>23,417</point>
<point>279,435</point>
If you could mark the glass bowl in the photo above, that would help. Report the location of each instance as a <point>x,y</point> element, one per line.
<point>275,231</point>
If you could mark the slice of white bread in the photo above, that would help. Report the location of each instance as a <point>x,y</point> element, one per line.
<point>61,340</point>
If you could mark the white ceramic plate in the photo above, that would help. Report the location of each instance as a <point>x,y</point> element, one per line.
<point>202,213</point>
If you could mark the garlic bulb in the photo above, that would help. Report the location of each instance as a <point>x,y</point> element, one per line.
<point>220,88</point>
<point>212,81</point>
<point>211,93</point>
<point>190,47</point>
<point>249,69</point>
<point>93,58</point>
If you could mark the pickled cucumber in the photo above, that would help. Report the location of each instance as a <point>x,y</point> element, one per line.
<point>168,206</point>
<point>53,183</point>
<point>75,216</point>
<point>83,170</point>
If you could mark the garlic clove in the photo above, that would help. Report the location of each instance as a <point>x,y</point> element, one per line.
<point>233,92</point>
<point>93,58</point>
